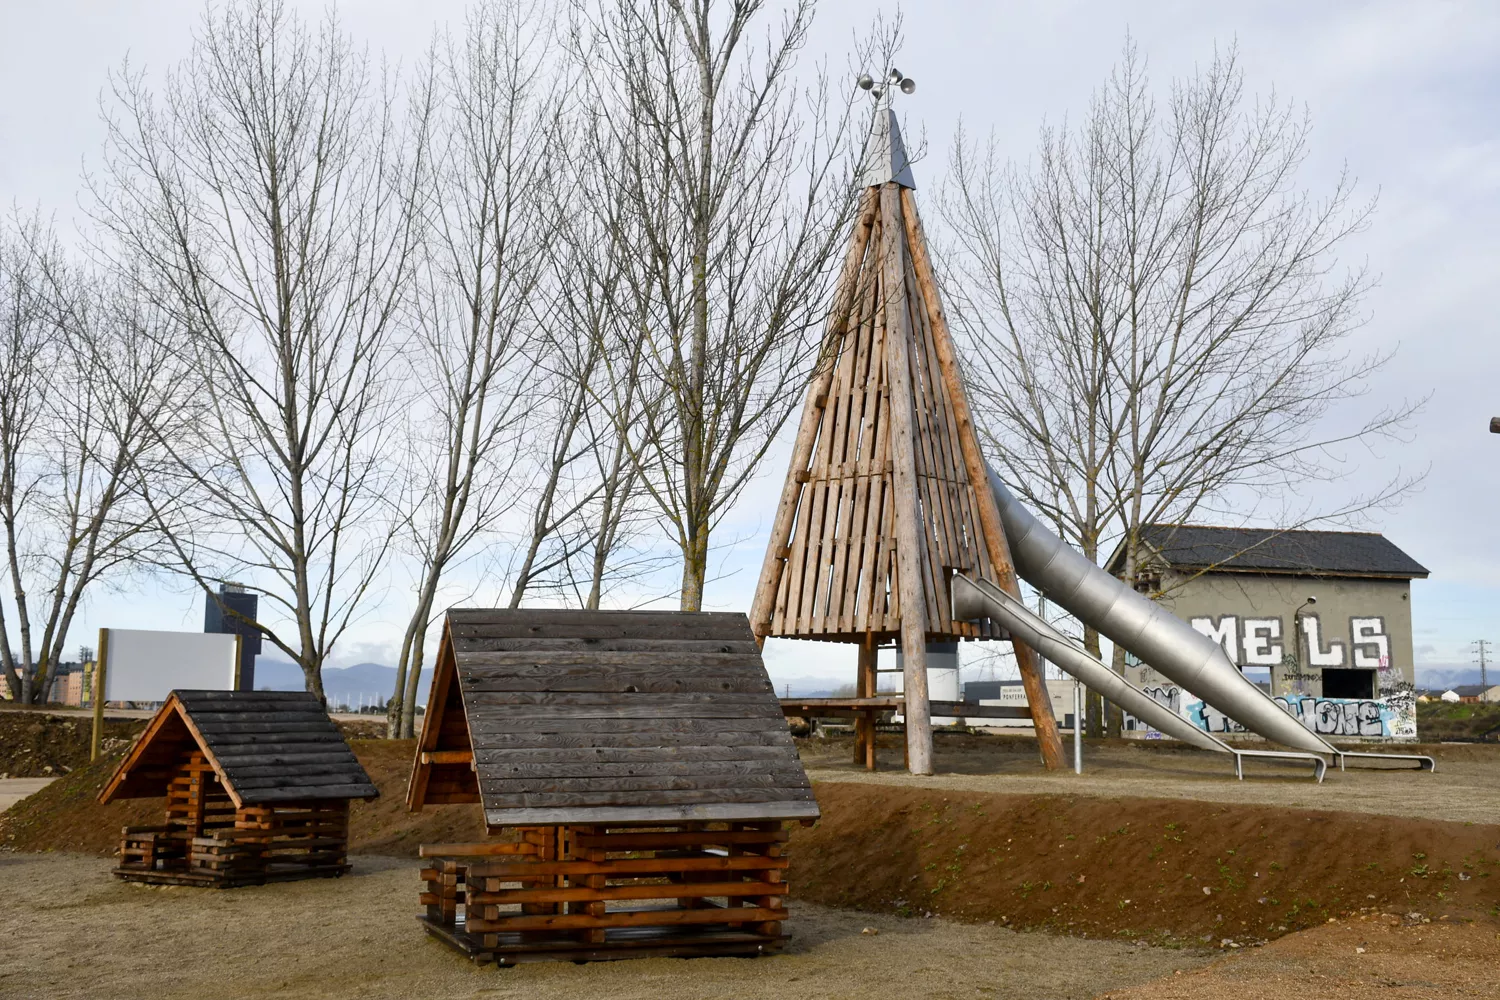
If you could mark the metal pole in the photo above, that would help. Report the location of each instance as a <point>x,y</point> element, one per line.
<point>1077,727</point>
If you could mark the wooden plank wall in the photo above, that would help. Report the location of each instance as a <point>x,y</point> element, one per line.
<point>836,576</point>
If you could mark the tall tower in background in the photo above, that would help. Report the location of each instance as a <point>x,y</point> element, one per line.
<point>232,611</point>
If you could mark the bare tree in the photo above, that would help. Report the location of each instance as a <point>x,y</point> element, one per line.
<point>489,100</point>
<point>83,371</point>
<point>263,195</point>
<point>1156,315</point>
<point>734,204</point>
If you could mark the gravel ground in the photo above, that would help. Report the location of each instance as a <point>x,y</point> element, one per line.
<point>1463,788</point>
<point>71,930</point>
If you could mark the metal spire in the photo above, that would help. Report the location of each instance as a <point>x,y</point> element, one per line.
<point>885,158</point>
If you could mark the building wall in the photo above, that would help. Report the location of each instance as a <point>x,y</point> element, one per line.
<point>1360,628</point>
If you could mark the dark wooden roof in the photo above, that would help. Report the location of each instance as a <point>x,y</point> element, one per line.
<point>606,717</point>
<point>1268,550</point>
<point>266,746</point>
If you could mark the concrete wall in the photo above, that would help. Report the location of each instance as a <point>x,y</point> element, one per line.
<point>1344,667</point>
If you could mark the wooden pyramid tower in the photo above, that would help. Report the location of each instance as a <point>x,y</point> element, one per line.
<point>887,494</point>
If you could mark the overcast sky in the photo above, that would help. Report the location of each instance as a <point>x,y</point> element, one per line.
<point>1404,93</point>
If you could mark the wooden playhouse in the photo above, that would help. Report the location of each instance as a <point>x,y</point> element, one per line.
<point>257,787</point>
<point>636,774</point>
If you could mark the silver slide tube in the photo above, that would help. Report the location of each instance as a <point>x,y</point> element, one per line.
<point>1170,645</point>
<point>981,599</point>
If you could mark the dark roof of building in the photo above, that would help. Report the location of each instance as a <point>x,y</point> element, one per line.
<point>265,746</point>
<point>1269,550</point>
<point>606,716</point>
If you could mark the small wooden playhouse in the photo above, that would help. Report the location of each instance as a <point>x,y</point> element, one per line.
<point>257,787</point>
<point>636,773</point>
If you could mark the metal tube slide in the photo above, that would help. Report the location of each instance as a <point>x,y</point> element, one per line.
<point>982,599</point>
<point>1170,645</point>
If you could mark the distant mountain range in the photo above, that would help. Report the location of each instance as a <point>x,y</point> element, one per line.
<point>1443,678</point>
<point>363,683</point>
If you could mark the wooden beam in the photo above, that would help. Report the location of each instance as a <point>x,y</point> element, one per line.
<point>1049,740</point>
<point>812,414</point>
<point>910,533</point>
<point>447,756</point>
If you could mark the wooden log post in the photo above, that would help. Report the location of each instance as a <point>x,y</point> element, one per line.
<point>864,687</point>
<point>1049,740</point>
<point>910,531</point>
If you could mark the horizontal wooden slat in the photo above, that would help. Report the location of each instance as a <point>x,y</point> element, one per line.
<point>472,850</point>
<point>499,708</point>
<point>511,870</point>
<point>447,756</point>
<point>249,732</point>
<point>622,680</point>
<point>235,763</point>
<point>483,728</point>
<point>246,776</point>
<point>237,750</point>
<point>617,841</point>
<point>584,737</point>
<point>658,768</point>
<point>472,638</point>
<point>289,794</point>
<point>658,813</point>
<point>583,894</point>
<point>484,664</point>
<point>663,796</point>
<point>629,918</point>
<point>616,644</point>
<point>615,755</point>
<point>292,721</point>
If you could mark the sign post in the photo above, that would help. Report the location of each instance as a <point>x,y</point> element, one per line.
<point>96,741</point>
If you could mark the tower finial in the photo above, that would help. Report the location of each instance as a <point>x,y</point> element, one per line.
<point>885,158</point>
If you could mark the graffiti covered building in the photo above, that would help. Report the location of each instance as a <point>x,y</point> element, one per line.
<point>1321,620</point>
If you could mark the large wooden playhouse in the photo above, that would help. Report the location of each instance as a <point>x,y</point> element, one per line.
<point>636,775</point>
<point>257,787</point>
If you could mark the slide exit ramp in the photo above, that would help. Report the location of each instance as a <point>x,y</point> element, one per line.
<point>1170,645</point>
<point>981,599</point>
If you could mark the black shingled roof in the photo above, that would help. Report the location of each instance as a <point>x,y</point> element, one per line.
<point>1268,550</point>
<point>275,746</point>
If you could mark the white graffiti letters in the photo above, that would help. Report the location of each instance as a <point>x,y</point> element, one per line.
<point>1261,647</point>
<point>1225,632</point>
<point>1312,630</point>
<point>1369,634</point>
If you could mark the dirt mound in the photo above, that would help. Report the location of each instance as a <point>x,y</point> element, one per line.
<point>37,745</point>
<point>66,815</point>
<point>1374,954</point>
<point>1160,870</point>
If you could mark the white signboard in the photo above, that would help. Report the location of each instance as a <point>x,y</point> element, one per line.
<point>142,665</point>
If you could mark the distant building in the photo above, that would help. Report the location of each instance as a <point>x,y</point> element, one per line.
<point>67,685</point>
<point>1321,619</point>
<point>1013,694</point>
<point>1474,692</point>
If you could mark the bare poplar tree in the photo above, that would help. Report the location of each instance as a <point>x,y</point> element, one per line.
<point>493,117</point>
<point>262,194</point>
<point>736,196</point>
<point>1156,315</point>
<point>83,370</point>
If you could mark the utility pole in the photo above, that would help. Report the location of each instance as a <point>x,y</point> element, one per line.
<point>1482,647</point>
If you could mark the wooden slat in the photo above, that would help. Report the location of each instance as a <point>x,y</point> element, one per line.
<point>641,755</point>
<point>628,918</point>
<point>782,809</point>
<point>637,797</point>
